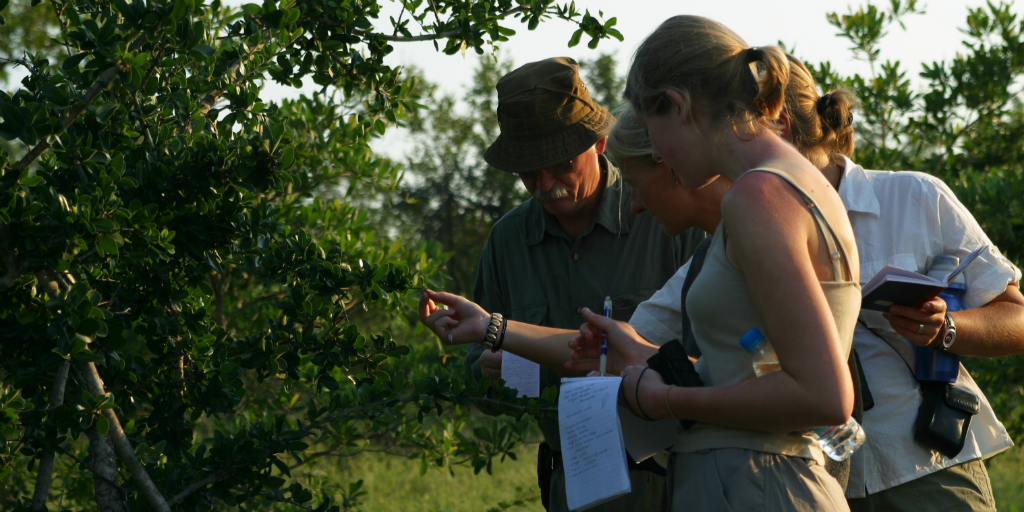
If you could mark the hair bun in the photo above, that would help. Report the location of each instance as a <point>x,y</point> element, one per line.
<point>825,106</point>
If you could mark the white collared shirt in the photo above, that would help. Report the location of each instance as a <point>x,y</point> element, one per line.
<point>902,219</point>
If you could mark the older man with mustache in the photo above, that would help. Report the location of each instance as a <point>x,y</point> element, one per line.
<point>574,243</point>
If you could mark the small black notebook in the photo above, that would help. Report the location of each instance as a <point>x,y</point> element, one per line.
<point>894,286</point>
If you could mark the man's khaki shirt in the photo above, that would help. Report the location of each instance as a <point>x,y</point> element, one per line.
<point>532,271</point>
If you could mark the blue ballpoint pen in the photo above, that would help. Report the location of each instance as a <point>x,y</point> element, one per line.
<point>604,335</point>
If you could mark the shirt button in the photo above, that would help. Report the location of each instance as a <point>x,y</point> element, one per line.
<point>575,256</point>
<point>579,310</point>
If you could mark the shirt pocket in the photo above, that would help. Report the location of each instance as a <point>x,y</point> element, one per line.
<point>534,316</point>
<point>624,305</point>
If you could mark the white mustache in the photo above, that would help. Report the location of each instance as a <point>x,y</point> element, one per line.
<point>556,192</point>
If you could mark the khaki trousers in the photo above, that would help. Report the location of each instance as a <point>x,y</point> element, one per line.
<point>737,480</point>
<point>961,488</point>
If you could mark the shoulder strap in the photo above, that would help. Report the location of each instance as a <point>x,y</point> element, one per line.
<point>696,263</point>
<point>837,254</point>
<point>906,353</point>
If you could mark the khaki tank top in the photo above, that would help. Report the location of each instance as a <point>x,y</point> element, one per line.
<point>721,310</point>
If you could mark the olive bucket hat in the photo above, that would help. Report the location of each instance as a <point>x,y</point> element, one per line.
<point>546,117</point>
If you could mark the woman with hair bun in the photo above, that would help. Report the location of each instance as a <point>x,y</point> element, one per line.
<point>782,260</point>
<point>905,219</point>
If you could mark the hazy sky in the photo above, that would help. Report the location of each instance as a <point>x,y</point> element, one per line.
<point>800,24</point>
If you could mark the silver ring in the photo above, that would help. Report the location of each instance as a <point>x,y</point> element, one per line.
<point>920,328</point>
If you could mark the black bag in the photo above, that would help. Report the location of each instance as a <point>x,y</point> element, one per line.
<point>673,365</point>
<point>945,417</point>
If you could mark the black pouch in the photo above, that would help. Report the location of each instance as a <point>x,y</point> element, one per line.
<point>673,365</point>
<point>945,417</point>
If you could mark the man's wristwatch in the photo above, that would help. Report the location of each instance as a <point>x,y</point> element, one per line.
<point>494,333</point>
<point>948,333</point>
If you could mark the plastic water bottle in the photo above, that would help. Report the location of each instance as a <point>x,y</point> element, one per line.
<point>931,365</point>
<point>838,442</point>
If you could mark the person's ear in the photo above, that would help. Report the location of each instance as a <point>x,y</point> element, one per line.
<point>786,127</point>
<point>678,106</point>
<point>600,145</point>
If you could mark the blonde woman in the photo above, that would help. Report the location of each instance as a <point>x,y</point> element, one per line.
<point>783,260</point>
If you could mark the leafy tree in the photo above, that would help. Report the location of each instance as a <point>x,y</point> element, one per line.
<point>192,309</point>
<point>964,125</point>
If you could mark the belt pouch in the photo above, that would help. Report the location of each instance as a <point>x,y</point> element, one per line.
<point>675,367</point>
<point>944,417</point>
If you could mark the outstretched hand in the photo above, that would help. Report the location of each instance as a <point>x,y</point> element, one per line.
<point>465,321</point>
<point>625,346</point>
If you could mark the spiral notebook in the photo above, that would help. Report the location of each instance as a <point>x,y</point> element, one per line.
<point>593,451</point>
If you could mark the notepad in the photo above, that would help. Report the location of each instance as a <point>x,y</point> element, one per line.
<point>894,286</point>
<point>593,452</point>
<point>520,374</point>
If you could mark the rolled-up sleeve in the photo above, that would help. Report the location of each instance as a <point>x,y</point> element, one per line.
<point>659,319</point>
<point>988,276</point>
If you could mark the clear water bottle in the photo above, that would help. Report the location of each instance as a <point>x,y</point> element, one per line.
<point>931,365</point>
<point>838,442</point>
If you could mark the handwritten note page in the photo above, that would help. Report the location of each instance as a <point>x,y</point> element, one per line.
<point>593,452</point>
<point>521,374</point>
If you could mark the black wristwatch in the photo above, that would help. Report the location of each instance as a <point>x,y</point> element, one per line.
<point>948,333</point>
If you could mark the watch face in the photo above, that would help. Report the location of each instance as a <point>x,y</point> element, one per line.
<point>947,339</point>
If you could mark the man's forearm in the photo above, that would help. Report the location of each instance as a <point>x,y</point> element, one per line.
<point>993,330</point>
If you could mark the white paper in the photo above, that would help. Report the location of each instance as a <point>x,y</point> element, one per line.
<point>643,438</point>
<point>593,452</point>
<point>521,374</point>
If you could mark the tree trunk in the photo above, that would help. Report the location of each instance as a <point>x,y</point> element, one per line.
<point>101,450</point>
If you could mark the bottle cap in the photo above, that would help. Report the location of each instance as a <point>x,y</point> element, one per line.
<point>944,264</point>
<point>751,339</point>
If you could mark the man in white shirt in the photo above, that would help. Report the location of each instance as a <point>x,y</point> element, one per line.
<point>903,219</point>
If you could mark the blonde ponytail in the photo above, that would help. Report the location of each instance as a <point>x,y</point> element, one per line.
<point>721,80</point>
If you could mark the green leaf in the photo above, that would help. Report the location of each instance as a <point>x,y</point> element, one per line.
<point>575,39</point>
<point>180,9</point>
<point>251,9</point>
<point>105,245</point>
<point>206,50</point>
<point>73,61</point>
<point>117,163</point>
<point>12,118</point>
<point>32,181</point>
<point>102,425</point>
<point>103,225</point>
<point>287,157</point>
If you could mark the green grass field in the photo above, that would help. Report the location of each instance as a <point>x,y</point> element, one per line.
<point>395,484</point>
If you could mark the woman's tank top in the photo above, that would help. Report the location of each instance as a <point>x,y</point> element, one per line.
<point>722,309</point>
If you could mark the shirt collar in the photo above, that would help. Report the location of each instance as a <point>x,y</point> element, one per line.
<point>856,191</point>
<point>613,211</point>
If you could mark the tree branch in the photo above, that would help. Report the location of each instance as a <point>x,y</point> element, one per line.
<point>45,474</point>
<point>199,484</point>
<point>122,445</point>
<point>424,37</point>
<point>109,497</point>
<point>94,92</point>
